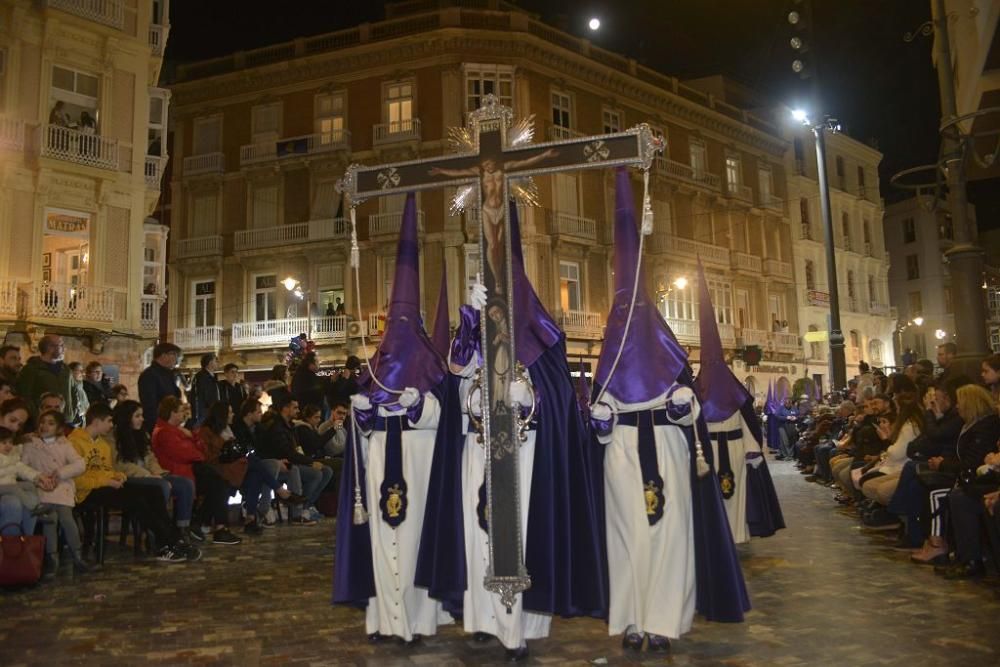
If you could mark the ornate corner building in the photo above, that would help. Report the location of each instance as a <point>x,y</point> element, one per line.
<point>261,137</point>
<point>82,153</point>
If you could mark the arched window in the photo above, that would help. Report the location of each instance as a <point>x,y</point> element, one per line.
<point>810,275</point>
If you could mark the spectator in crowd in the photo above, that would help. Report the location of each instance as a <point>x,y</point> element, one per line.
<point>10,364</point>
<point>78,395</point>
<point>50,401</point>
<point>277,441</point>
<point>346,384</point>
<point>908,357</point>
<point>17,478</point>
<point>978,438</point>
<point>158,382</point>
<point>119,393</point>
<point>102,486</point>
<point>279,374</point>
<point>241,468</point>
<point>180,453</point>
<point>330,312</point>
<point>340,309</point>
<point>231,389</point>
<point>93,383</point>
<point>945,358</point>
<point>991,375</point>
<point>59,117</point>
<point>134,457</point>
<point>6,390</point>
<point>14,517</point>
<point>827,443</point>
<point>204,387</point>
<point>46,372</point>
<point>307,385</point>
<point>323,441</point>
<point>51,454</point>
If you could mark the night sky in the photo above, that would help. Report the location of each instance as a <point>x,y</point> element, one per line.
<point>882,89</point>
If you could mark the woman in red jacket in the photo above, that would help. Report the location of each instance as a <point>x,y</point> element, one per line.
<point>180,453</point>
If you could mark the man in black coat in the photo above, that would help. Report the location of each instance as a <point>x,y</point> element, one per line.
<point>157,382</point>
<point>204,388</point>
<point>231,389</point>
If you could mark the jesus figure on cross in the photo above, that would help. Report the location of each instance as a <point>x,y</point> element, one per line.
<point>491,178</point>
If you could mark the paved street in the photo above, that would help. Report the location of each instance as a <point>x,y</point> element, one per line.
<point>824,592</point>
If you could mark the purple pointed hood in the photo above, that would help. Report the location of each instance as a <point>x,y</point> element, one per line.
<point>441,336</point>
<point>534,329</point>
<point>769,402</point>
<point>721,394</point>
<point>651,359</point>
<point>406,357</point>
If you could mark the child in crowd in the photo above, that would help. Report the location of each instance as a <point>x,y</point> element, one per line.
<point>18,478</point>
<point>50,453</point>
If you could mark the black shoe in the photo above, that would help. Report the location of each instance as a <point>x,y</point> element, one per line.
<point>293,499</point>
<point>194,533</point>
<point>191,552</point>
<point>223,536</point>
<point>481,637</point>
<point>974,569</point>
<point>517,654</point>
<point>658,644</point>
<point>375,638</point>
<point>632,641</point>
<point>80,566</point>
<point>49,567</point>
<point>253,528</point>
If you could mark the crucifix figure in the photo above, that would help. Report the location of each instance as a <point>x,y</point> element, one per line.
<point>495,160</point>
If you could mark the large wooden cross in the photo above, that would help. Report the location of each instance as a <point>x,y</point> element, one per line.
<point>493,153</point>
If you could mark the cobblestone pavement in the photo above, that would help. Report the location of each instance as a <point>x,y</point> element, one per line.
<point>824,593</point>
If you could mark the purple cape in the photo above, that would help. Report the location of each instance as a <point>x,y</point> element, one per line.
<point>640,375</point>
<point>564,545</point>
<point>405,357</point>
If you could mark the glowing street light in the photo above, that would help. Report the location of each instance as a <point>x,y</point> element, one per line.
<point>594,24</point>
<point>681,283</point>
<point>296,288</point>
<point>800,116</point>
<point>940,333</point>
<point>919,321</point>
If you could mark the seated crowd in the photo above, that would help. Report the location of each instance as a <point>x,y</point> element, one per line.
<point>73,447</point>
<point>915,454</point>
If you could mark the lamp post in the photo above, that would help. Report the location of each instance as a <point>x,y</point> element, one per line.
<point>301,292</point>
<point>838,364</point>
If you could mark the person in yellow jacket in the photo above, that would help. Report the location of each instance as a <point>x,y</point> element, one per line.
<point>101,485</point>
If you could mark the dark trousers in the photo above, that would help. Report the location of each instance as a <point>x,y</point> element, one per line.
<point>822,452</point>
<point>258,477</point>
<point>214,491</point>
<point>144,502</point>
<point>908,502</point>
<point>966,514</point>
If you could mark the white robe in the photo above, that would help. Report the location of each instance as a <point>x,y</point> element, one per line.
<point>651,568</point>
<point>736,505</point>
<point>483,611</point>
<point>399,608</point>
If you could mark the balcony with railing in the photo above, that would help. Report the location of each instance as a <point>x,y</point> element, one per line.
<point>778,269</point>
<point>396,131</point>
<point>9,295</point>
<point>816,298</point>
<point>271,333</point>
<point>687,332</point>
<point>206,163</point>
<point>558,132</point>
<point>709,254</point>
<point>150,313</point>
<point>107,12</point>
<point>739,191</point>
<point>11,134</point>
<point>63,143</point>
<point>749,336</point>
<point>727,332</point>
<point>199,339</point>
<point>62,301</point>
<point>376,323</point>
<point>581,324</point>
<point>306,144</point>
<point>202,246</point>
<point>300,232</point>
<point>772,202</point>
<point>157,38</point>
<point>686,173</point>
<point>782,341</point>
<point>153,171</point>
<point>746,262</point>
<point>567,224</point>
<point>380,224</point>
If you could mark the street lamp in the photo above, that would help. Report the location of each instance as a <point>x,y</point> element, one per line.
<point>838,364</point>
<point>300,292</point>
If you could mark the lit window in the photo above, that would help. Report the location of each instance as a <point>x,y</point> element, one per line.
<point>482,80</point>
<point>328,111</point>
<point>569,286</point>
